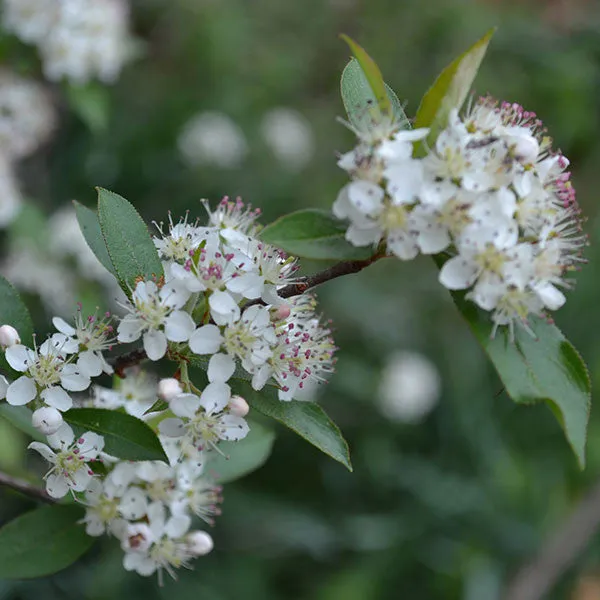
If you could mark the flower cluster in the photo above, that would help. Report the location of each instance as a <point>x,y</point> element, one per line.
<point>491,193</point>
<point>219,298</point>
<point>77,39</point>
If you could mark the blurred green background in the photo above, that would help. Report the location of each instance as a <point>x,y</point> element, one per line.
<point>444,505</point>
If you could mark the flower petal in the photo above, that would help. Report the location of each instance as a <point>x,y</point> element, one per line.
<point>206,340</point>
<point>21,391</point>
<point>215,397</point>
<point>57,397</point>
<point>179,325</point>
<point>155,344</point>
<point>220,368</point>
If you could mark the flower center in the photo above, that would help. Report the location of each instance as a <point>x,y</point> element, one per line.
<point>491,259</point>
<point>205,428</point>
<point>153,312</point>
<point>46,371</point>
<point>393,217</point>
<point>69,462</point>
<point>238,340</point>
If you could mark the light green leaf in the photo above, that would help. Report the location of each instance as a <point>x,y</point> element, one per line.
<point>128,241</point>
<point>91,102</point>
<point>373,75</point>
<point>307,419</point>
<point>359,100</point>
<point>546,368</point>
<point>313,234</point>
<point>42,542</point>
<point>14,312</point>
<point>20,417</point>
<point>450,90</point>
<point>124,436</point>
<point>90,228</point>
<point>243,457</point>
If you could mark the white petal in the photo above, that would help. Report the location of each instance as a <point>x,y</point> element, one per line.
<point>89,364</point>
<point>81,479</point>
<point>206,340</point>
<point>223,308</point>
<point>185,405</point>
<point>90,444</point>
<point>57,397</point>
<point>3,387</point>
<point>249,285</point>
<point>402,245</point>
<point>172,427</point>
<point>62,326</point>
<point>220,368</point>
<point>21,391</point>
<point>179,325</point>
<point>363,237</point>
<point>72,380</point>
<point>177,526</point>
<point>215,397</point>
<point>133,504</point>
<point>234,428</point>
<point>44,450</point>
<point>19,357</point>
<point>366,197</point>
<point>552,297</point>
<point>56,485</point>
<point>155,344</point>
<point>130,329</point>
<point>63,438</point>
<point>458,273</point>
<point>260,378</point>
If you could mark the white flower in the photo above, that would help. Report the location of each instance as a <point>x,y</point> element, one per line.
<point>154,315</point>
<point>46,374</point>
<point>90,337</point>
<point>212,138</point>
<point>203,421</point>
<point>199,543</point>
<point>136,393</point>
<point>233,216</point>
<point>181,241</point>
<point>169,388</point>
<point>70,470</point>
<point>289,136</point>
<point>47,420</point>
<point>238,406</point>
<point>409,388</point>
<point>159,545</point>
<point>9,336</point>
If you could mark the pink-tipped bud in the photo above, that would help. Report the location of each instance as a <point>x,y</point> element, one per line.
<point>238,406</point>
<point>199,543</point>
<point>169,388</point>
<point>47,420</point>
<point>281,312</point>
<point>9,336</point>
<point>138,538</point>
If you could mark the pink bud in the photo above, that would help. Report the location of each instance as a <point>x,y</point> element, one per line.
<point>281,312</point>
<point>9,336</point>
<point>47,420</point>
<point>199,543</point>
<point>169,388</point>
<point>238,406</point>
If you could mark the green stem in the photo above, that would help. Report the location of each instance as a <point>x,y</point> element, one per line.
<point>184,376</point>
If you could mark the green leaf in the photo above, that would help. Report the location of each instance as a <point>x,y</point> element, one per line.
<point>243,457</point>
<point>307,419</point>
<point>124,436</point>
<point>128,241</point>
<point>372,74</point>
<point>14,312</point>
<point>313,234</point>
<point>90,228</point>
<point>91,103</point>
<point>20,417</point>
<point>359,100</point>
<point>42,542</point>
<point>546,368</point>
<point>450,90</point>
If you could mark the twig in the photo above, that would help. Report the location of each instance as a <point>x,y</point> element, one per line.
<point>348,267</point>
<point>535,580</point>
<point>20,485</point>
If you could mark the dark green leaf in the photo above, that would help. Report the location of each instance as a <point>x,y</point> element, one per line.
<point>128,241</point>
<point>450,90</point>
<point>307,419</point>
<point>42,542</point>
<point>373,75</point>
<point>545,368</point>
<point>91,102</point>
<point>359,100</point>
<point>313,234</point>
<point>243,457</point>
<point>124,436</point>
<point>20,417</point>
<point>14,312</point>
<point>90,228</point>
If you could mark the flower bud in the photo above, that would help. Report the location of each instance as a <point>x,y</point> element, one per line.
<point>199,543</point>
<point>47,420</point>
<point>281,312</point>
<point>238,406</point>
<point>137,537</point>
<point>9,336</point>
<point>169,388</point>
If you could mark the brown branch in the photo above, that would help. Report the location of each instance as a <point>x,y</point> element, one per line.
<point>348,267</point>
<point>536,579</point>
<point>20,485</point>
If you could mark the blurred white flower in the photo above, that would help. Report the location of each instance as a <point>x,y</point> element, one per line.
<point>27,115</point>
<point>11,200</point>
<point>409,388</point>
<point>77,39</point>
<point>289,136</point>
<point>212,138</point>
